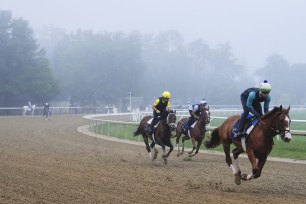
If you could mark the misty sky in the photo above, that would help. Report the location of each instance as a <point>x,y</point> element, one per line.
<point>254,28</point>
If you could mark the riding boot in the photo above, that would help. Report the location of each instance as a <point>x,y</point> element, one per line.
<point>239,130</point>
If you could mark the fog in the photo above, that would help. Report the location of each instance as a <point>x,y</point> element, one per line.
<point>254,29</point>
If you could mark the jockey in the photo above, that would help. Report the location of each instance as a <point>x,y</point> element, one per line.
<point>30,106</point>
<point>46,109</point>
<point>194,111</point>
<point>160,107</point>
<point>250,100</point>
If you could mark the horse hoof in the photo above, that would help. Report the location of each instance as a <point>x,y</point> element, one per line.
<point>237,179</point>
<point>244,177</point>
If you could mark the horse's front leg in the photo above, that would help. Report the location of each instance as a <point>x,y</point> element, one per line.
<point>168,154</point>
<point>252,159</point>
<point>193,146</point>
<point>198,146</point>
<point>260,165</point>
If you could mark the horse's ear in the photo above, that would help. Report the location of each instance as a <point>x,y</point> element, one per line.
<point>288,108</point>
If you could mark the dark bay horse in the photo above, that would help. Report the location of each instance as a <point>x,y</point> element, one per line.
<point>160,136</point>
<point>258,144</point>
<point>196,133</point>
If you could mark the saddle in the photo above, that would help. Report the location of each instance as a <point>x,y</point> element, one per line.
<point>187,131</point>
<point>250,123</point>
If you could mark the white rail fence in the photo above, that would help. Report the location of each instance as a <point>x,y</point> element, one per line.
<point>98,122</point>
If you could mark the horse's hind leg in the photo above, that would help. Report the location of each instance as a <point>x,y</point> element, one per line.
<point>228,159</point>
<point>155,152</point>
<point>178,136</point>
<point>236,153</point>
<point>146,141</point>
<point>183,143</point>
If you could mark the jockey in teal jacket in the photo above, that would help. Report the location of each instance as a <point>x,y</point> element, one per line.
<point>250,100</point>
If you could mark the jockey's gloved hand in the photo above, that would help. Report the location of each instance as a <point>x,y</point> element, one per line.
<point>157,111</point>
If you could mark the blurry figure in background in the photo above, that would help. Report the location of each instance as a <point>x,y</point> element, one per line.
<point>194,111</point>
<point>46,111</point>
<point>30,106</point>
<point>115,109</point>
<point>160,108</point>
<point>250,100</point>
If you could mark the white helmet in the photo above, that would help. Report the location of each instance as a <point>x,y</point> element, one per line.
<point>265,86</point>
<point>46,104</point>
<point>203,102</point>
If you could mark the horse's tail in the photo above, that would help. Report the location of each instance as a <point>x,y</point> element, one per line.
<point>137,132</point>
<point>214,140</point>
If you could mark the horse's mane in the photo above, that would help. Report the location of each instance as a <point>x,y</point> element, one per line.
<point>271,112</point>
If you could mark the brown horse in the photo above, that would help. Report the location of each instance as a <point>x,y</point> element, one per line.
<point>196,133</point>
<point>160,136</point>
<point>258,144</point>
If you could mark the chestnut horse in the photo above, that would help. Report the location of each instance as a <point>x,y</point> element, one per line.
<point>160,136</point>
<point>196,133</point>
<point>259,142</point>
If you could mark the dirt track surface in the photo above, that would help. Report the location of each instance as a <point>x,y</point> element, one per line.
<point>50,162</point>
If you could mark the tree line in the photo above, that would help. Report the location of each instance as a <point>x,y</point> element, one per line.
<point>94,68</point>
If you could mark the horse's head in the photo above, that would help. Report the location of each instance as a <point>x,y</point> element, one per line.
<point>205,114</point>
<point>171,119</point>
<point>282,122</point>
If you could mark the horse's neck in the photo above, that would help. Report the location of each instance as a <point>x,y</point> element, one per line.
<point>202,119</point>
<point>268,125</point>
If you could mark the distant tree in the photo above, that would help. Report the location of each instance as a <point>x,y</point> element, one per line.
<point>48,37</point>
<point>98,67</point>
<point>24,71</point>
<point>167,65</point>
<point>216,73</point>
<point>192,72</point>
<point>277,72</point>
<point>295,83</point>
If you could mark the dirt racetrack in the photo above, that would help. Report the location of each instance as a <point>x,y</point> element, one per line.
<point>50,162</point>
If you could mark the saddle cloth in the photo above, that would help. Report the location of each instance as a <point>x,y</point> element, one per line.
<point>250,123</point>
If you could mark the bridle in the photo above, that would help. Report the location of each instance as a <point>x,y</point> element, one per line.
<point>280,129</point>
<point>171,124</point>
